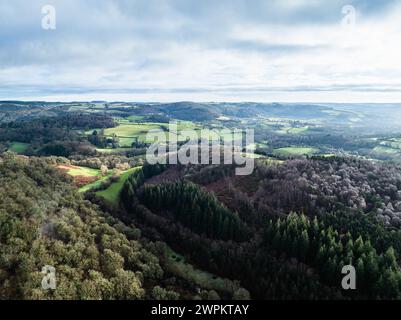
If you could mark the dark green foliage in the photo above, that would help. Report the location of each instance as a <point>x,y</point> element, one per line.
<point>53,128</point>
<point>56,136</point>
<point>195,208</point>
<point>323,247</point>
<point>253,264</point>
<point>128,195</point>
<point>366,226</point>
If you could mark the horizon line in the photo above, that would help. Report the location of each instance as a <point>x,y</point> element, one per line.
<point>190,101</point>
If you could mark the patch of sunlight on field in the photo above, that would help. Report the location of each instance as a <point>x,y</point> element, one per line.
<point>116,150</point>
<point>131,130</point>
<point>298,130</point>
<point>83,171</point>
<point>288,151</point>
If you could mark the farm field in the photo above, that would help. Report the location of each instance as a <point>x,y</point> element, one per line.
<point>288,151</point>
<point>82,175</point>
<point>298,130</point>
<point>18,147</point>
<point>135,118</point>
<point>131,130</point>
<point>95,184</point>
<point>182,125</point>
<point>111,194</point>
<point>129,133</point>
<point>116,150</point>
<point>293,130</point>
<point>80,171</point>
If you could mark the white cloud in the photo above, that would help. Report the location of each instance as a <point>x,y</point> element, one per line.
<point>179,50</point>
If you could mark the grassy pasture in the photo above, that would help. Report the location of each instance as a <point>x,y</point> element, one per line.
<point>82,171</point>
<point>296,151</point>
<point>83,176</point>
<point>135,118</point>
<point>131,130</point>
<point>95,184</point>
<point>116,150</point>
<point>293,130</point>
<point>18,147</point>
<point>298,130</point>
<point>128,133</point>
<point>112,193</point>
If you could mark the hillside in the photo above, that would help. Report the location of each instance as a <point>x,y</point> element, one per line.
<point>44,222</point>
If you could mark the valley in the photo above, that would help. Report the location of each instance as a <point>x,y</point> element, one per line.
<point>325,192</point>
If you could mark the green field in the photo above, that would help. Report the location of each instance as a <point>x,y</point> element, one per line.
<point>182,125</point>
<point>111,194</point>
<point>83,171</point>
<point>18,147</point>
<point>135,118</point>
<point>77,171</point>
<point>95,184</point>
<point>116,150</point>
<point>129,133</point>
<point>295,151</point>
<point>298,130</point>
<point>293,130</point>
<point>131,130</point>
<point>387,150</point>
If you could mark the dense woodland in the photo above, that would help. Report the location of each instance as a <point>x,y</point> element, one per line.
<point>291,251</point>
<point>304,224</point>
<point>320,185</point>
<point>56,136</point>
<point>43,222</point>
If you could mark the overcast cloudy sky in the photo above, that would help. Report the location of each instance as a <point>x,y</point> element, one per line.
<point>201,50</point>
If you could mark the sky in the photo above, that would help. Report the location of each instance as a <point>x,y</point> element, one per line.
<point>201,50</point>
